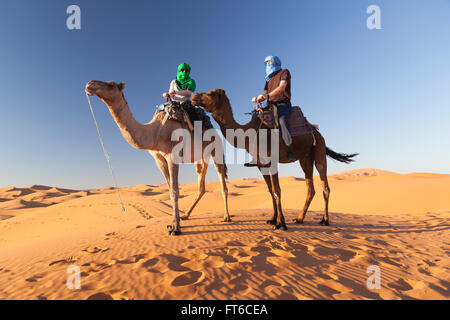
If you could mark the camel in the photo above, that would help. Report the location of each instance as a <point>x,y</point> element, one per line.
<point>155,137</point>
<point>309,149</point>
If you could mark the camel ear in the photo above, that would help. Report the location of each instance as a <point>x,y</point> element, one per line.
<point>121,86</point>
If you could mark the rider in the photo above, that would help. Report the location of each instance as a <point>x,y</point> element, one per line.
<point>277,91</point>
<point>182,88</point>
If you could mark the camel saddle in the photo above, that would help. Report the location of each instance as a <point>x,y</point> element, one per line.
<point>298,124</point>
<point>186,114</point>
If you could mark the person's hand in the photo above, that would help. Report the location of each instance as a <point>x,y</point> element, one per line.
<point>254,100</point>
<point>165,95</point>
<point>261,98</point>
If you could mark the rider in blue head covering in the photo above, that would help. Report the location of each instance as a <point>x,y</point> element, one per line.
<point>277,91</point>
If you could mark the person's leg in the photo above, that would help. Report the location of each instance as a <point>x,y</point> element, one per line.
<point>191,111</point>
<point>284,111</point>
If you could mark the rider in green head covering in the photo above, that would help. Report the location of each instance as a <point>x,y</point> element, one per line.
<point>180,91</point>
<point>184,81</point>
<point>182,87</point>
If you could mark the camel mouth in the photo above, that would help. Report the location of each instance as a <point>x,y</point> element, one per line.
<point>196,100</point>
<point>92,87</point>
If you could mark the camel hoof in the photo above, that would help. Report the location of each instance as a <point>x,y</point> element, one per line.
<point>174,232</point>
<point>227,219</point>
<point>324,223</point>
<point>298,221</point>
<point>184,218</point>
<point>272,222</point>
<point>280,226</point>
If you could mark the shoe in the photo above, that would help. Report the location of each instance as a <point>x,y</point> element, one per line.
<point>250,164</point>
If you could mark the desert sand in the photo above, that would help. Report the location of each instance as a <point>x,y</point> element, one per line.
<point>398,222</point>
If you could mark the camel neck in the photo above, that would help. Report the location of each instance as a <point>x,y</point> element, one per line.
<point>136,134</point>
<point>226,121</point>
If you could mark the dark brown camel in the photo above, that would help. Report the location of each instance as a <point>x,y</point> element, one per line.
<point>304,149</point>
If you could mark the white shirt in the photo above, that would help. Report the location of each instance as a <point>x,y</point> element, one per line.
<point>178,97</point>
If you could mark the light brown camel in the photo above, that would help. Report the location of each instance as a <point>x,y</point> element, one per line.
<point>156,138</point>
<point>303,147</point>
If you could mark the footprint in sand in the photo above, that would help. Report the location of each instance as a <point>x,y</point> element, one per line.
<point>91,286</point>
<point>150,262</point>
<point>144,213</point>
<point>100,296</point>
<point>34,278</point>
<point>401,285</point>
<point>338,254</point>
<point>110,235</point>
<point>64,261</point>
<point>187,279</point>
<point>235,244</point>
<point>349,236</point>
<point>95,250</point>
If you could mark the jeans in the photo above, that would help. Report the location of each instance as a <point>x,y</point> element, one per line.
<point>284,110</point>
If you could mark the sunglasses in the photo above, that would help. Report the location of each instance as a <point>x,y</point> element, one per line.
<point>269,62</point>
<point>184,70</point>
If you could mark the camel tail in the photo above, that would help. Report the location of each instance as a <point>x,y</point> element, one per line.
<point>341,157</point>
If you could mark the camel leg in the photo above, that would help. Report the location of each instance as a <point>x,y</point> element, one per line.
<point>322,168</point>
<point>221,172</point>
<point>163,166</point>
<point>174,228</point>
<point>281,224</point>
<point>320,160</point>
<point>308,167</point>
<point>273,220</point>
<point>201,168</point>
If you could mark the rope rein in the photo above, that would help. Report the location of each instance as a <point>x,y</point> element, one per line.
<point>106,153</point>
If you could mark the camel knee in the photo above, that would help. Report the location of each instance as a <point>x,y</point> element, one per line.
<point>277,195</point>
<point>326,192</point>
<point>174,194</point>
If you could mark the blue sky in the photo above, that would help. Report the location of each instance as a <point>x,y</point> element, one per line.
<point>382,93</point>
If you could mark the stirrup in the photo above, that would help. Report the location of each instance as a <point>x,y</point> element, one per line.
<point>255,164</point>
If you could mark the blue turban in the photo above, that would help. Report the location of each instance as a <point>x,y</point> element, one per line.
<point>272,68</point>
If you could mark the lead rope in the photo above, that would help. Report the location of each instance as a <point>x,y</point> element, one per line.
<point>105,152</point>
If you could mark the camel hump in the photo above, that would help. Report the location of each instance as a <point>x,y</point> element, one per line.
<point>298,124</point>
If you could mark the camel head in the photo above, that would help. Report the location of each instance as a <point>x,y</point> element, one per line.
<point>107,91</point>
<point>212,101</point>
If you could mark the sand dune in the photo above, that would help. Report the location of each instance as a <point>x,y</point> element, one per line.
<point>398,222</point>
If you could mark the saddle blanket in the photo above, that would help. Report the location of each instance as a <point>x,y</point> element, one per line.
<point>298,124</point>
<point>175,112</point>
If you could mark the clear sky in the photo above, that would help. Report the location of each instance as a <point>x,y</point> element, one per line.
<point>383,93</point>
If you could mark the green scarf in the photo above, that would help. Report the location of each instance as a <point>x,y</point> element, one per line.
<point>184,81</point>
